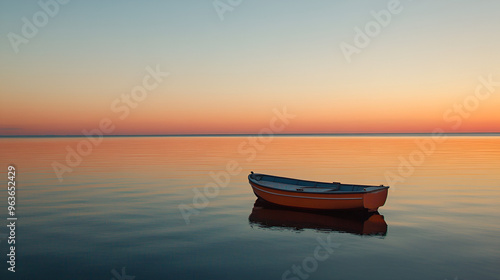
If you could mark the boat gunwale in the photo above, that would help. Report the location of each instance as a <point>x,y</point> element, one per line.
<point>336,192</point>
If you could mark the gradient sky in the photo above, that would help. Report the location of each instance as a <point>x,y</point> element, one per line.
<point>226,76</point>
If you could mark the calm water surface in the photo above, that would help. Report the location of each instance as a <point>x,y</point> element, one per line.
<point>119,208</point>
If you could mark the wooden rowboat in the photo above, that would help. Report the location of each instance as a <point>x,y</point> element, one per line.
<point>317,195</point>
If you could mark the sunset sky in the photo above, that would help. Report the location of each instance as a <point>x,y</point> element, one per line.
<point>229,70</point>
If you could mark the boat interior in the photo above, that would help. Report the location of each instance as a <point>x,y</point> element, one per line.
<point>296,185</point>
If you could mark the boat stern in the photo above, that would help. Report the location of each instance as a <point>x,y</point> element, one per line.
<point>373,200</point>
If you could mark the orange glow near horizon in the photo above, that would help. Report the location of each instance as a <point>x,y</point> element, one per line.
<point>152,118</point>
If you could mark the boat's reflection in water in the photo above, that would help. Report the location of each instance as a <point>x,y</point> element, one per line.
<point>275,217</point>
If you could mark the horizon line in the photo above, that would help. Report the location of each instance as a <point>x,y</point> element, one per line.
<point>266,135</point>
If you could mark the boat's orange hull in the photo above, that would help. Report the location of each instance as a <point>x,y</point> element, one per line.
<point>370,200</point>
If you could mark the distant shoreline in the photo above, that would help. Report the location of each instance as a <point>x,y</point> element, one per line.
<point>276,135</point>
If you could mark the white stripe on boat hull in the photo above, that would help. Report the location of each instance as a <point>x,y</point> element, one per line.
<point>332,198</point>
